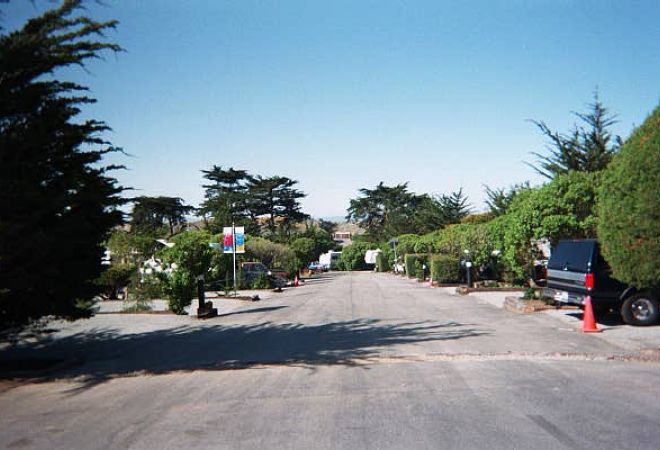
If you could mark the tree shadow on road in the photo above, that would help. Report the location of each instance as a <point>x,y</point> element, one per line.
<point>100,354</point>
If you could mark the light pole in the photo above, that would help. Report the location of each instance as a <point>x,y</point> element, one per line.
<point>468,267</point>
<point>393,244</point>
<point>233,251</point>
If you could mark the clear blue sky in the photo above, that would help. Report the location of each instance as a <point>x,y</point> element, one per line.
<point>343,94</point>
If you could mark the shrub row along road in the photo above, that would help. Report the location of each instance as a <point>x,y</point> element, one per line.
<point>350,360</point>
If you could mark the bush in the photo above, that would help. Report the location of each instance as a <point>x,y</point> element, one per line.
<point>193,256</point>
<point>382,262</point>
<point>305,250</point>
<point>149,286</point>
<point>445,269</point>
<point>413,262</point>
<point>419,270</point>
<point>140,294</point>
<point>262,282</point>
<point>115,277</point>
<point>273,255</point>
<point>181,290</point>
<point>407,243</point>
<point>629,208</point>
<point>561,209</point>
<point>352,256</point>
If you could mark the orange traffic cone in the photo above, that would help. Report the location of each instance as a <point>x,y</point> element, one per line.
<point>588,320</point>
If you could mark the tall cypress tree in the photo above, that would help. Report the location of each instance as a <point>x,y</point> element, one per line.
<point>57,200</point>
<point>159,216</point>
<point>587,148</point>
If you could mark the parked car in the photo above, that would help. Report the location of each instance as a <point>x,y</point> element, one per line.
<point>576,269</point>
<point>253,270</point>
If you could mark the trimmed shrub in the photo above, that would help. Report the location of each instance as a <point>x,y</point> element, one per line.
<point>382,262</point>
<point>407,243</point>
<point>273,255</point>
<point>410,261</point>
<point>445,269</point>
<point>629,208</point>
<point>419,270</point>
<point>352,256</point>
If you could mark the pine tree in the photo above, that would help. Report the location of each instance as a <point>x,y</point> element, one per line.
<point>227,198</point>
<point>454,206</point>
<point>587,148</point>
<point>58,200</point>
<point>152,214</point>
<point>499,199</point>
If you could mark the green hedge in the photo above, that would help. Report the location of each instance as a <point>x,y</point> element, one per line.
<point>445,269</point>
<point>352,256</point>
<point>629,219</point>
<point>410,260</point>
<point>382,262</point>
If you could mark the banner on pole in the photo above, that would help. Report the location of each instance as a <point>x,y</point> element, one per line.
<point>240,239</point>
<point>229,240</point>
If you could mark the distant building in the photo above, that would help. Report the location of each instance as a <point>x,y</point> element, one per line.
<point>345,232</point>
<point>342,237</point>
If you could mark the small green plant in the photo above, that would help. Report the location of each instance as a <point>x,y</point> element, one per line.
<point>139,298</point>
<point>241,282</point>
<point>529,294</point>
<point>262,282</point>
<point>227,287</point>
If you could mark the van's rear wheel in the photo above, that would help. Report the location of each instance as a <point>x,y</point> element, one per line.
<point>641,309</point>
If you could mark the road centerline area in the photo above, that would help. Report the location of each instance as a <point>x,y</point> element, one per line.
<point>348,359</point>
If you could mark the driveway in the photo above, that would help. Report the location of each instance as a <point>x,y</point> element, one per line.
<point>350,360</point>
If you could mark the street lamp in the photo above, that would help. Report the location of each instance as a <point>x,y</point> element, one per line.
<point>393,244</point>
<point>468,266</point>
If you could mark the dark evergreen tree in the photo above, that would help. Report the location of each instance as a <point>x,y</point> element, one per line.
<point>454,207</point>
<point>227,199</point>
<point>152,214</point>
<point>274,198</point>
<point>588,148</point>
<point>429,215</point>
<point>237,196</point>
<point>498,200</point>
<point>58,200</point>
<point>385,211</point>
<point>327,226</point>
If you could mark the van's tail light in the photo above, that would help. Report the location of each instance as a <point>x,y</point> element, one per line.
<point>589,281</point>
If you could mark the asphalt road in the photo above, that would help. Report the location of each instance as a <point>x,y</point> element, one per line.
<point>357,360</point>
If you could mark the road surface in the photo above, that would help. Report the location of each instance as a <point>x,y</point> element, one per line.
<point>350,360</point>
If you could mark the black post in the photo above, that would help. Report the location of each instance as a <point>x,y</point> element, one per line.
<point>200,295</point>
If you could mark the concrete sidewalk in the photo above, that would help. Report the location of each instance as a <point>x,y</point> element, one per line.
<point>220,302</point>
<point>613,329</point>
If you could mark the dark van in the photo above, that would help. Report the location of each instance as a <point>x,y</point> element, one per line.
<point>576,269</point>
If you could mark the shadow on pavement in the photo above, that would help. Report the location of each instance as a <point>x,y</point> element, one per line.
<point>254,310</point>
<point>100,354</point>
<point>610,319</point>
